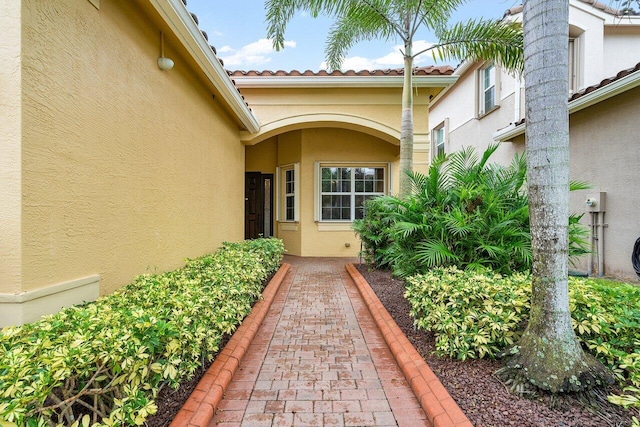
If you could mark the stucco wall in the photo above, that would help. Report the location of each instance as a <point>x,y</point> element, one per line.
<point>262,157</point>
<point>466,129</point>
<point>380,105</point>
<point>605,151</point>
<point>618,43</point>
<point>127,169</point>
<point>10,147</point>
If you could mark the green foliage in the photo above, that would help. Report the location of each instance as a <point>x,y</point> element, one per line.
<point>110,357</point>
<point>472,313</point>
<point>465,212</point>
<point>478,314</point>
<point>373,230</point>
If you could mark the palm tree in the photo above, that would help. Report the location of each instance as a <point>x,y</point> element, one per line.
<point>361,20</point>
<point>548,354</point>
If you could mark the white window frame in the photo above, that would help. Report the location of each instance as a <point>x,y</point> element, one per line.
<point>574,65</point>
<point>281,194</point>
<point>439,138</point>
<point>483,88</point>
<point>319,165</point>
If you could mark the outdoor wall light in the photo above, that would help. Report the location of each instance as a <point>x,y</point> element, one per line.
<point>164,63</point>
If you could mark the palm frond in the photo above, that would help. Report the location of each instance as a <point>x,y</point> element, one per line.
<point>476,40</point>
<point>358,23</point>
<point>434,253</point>
<point>434,14</point>
<point>579,185</point>
<point>418,181</point>
<point>457,223</point>
<point>404,229</point>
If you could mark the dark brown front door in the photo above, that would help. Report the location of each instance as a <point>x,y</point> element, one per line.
<point>258,205</point>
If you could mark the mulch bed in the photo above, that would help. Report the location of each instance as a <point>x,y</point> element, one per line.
<point>471,383</point>
<point>483,398</point>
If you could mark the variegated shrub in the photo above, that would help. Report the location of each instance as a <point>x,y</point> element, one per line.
<point>477,314</point>
<point>102,364</point>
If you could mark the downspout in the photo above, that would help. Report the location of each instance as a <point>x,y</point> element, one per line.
<point>601,226</point>
<point>591,241</point>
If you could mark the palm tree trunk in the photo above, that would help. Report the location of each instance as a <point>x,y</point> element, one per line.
<point>549,354</point>
<point>406,124</point>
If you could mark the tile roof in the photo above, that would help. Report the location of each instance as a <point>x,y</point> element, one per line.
<point>595,3</point>
<point>603,83</point>
<point>443,70</point>
<point>607,81</point>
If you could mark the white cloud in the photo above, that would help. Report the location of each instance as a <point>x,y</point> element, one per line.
<point>393,59</point>
<point>254,54</point>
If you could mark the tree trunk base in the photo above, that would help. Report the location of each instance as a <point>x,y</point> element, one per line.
<point>555,366</point>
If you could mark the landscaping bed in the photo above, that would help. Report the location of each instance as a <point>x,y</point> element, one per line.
<point>104,363</point>
<point>484,399</point>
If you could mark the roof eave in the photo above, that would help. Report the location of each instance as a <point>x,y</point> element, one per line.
<point>612,89</point>
<point>311,82</point>
<point>179,20</point>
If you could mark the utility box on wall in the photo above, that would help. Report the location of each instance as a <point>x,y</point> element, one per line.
<point>596,202</point>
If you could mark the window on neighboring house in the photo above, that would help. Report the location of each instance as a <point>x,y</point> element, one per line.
<point>288,205</point>
<point>574,64</point>
<point>438,137</point>
<point>344,189</point>
<point>487,89</point>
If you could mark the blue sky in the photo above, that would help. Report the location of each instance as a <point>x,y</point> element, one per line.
<point>238,31</point>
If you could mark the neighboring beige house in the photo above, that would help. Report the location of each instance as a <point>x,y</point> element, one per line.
<point>486,105</point>
<point>111,166</point>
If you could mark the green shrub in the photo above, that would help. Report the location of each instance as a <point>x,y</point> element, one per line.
<point>110,357</point>
<point>478,314</point>
<point>464,212</point>
<point>472,314</point>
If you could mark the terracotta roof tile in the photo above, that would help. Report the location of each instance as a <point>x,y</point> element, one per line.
<point>603,83</point>
<point>443,70</point>
<point>607,81</point>
<point>595,3</point>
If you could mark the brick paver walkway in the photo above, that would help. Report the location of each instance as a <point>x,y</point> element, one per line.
<point>318,359</point>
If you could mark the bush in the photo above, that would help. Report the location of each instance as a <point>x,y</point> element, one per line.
<point>472,314</point>
<point>465,212</point>
<point>478,314</point>
<point>108,359</point>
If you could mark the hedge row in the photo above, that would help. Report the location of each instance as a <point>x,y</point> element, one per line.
<point>476,314</point>
<point>103,363</point>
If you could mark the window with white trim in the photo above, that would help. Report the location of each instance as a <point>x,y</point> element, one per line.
<point>438,138</point>
<point>288,193</point>
<point>487,96</point>
<point>345,188</point>
<point>573,65</point>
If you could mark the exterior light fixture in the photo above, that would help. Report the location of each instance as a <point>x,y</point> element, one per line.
<point>164,63</point>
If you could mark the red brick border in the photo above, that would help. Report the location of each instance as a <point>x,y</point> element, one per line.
<point>201,405</point>
<point>439,406</point>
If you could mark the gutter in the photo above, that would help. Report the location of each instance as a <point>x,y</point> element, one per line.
<point>340,81</point>
<point>601,94</point>
<point>175,14</point>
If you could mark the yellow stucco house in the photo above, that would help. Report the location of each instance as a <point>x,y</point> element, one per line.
<point>111,166</point>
